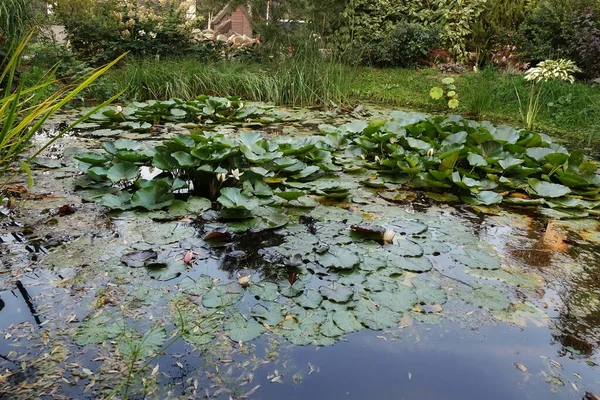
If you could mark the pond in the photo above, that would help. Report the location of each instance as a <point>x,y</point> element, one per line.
<point>351,285</point>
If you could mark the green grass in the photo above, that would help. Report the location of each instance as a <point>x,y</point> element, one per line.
<point>570,112</point>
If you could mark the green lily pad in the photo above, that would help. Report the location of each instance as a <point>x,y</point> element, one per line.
<point>477,259</point>
<point>222,296</point>
<point>265,291</point>
<point>339,258</point>
<point>484,296</point>
<point>309,299</point>
<point>374,316</point>
<point>166,271</point>
<point>547,189</point>
<point>337,293</point>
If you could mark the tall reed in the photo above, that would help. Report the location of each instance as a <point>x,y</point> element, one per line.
<point>304,78</point>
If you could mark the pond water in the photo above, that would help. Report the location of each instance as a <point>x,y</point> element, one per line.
<point>467,302</point>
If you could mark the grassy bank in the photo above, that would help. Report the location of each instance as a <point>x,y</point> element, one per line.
<point>569,112</point>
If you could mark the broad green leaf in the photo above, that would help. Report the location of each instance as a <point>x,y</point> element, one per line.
<point>122,171</point>
<point>547,189</point>
<point>234,198</point>
<point>155,196</point>
<point>337,293</point>
<point>477,259</point>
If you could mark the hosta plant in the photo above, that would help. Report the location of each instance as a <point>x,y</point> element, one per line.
<point>545,71</point>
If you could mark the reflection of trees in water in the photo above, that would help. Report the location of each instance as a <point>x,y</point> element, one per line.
<point>578,322</point>
<point>249,251</point>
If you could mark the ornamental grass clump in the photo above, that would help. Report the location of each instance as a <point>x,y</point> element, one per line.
<point>545,71</point>
<point>22,115</point>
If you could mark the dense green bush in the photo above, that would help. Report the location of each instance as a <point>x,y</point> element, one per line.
<point>588,46</point>
<point>369,22</point>
<point>99,30</point>
<point>408,45</point>
<point>550,31</point>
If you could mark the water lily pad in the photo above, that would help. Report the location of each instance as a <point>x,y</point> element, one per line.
<point>139,259</point>
<point>420,264</point>
<point>240,329</point>
<point>477,259</point>
<point>339,258</point>
<point>547,189</point>
<point>266,291</point>
<point>97,330</point>
<point>429,292</point>
<point>346,321</point>
<point>399,300</point>
<point>484,296</point>
<point>166,271</point>
<point>374,316</point>
<point>309,299</point>
<point>198,287</point>
<point>222,296</point>
<point>270,315</point>
<point>330,329</point>
<point>337,293</point>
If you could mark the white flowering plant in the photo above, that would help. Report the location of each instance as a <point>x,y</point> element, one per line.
<point>546,71</point>
<point>97,29</point>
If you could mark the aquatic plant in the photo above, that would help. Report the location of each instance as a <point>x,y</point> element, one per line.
<point>479,162</point>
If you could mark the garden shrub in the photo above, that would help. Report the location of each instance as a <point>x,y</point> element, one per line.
<point>550,31</point>
<point>101,29</point>
<point>408,45</point>
<point>373,21</point>
<point>588,46</point>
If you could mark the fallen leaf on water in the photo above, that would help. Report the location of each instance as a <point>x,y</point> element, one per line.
<point>87,371</point>
<point>591,396</point>
<point>382,337</point>
<point>575,386</point>
<point>290,318</point>
<point>250,392</point>
<point>577,375</point>
<point>520,367</point>
<point>556,364</point>
<point>155,370</point>
<point>409,376</point>
<point>312,368</point>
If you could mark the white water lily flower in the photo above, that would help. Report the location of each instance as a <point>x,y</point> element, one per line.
<point>222,177</point>
<point>393,140</point>
<point>430,153</point>
<point>235,174</point>
<point>244,280</point>
<point>388,236</point>
<point>119,109</point>
<point>362,156</point>
<point>377,159</point>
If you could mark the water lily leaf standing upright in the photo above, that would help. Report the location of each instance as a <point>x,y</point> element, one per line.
<point>545,71</point>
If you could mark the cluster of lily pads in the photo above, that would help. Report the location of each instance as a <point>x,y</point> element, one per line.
<point>480,163</point>
<point>140,117</point>
<point>339,276</point>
